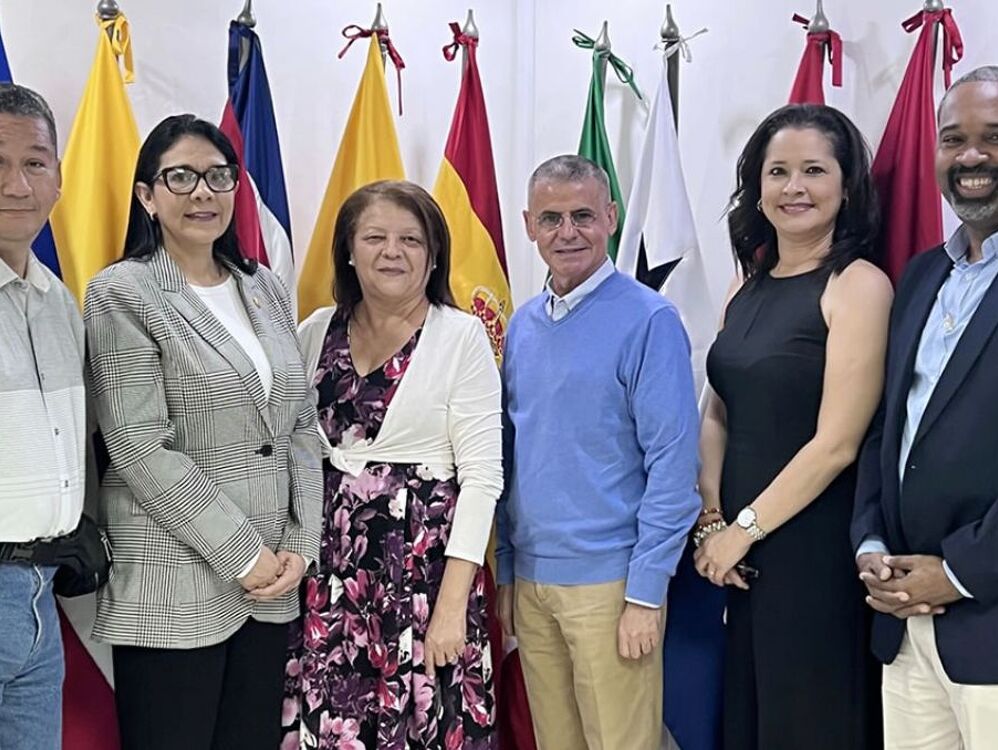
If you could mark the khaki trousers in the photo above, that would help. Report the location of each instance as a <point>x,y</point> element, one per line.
<point>924,710</point>
<point>583,694</point>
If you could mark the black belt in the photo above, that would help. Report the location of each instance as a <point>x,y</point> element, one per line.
<point>38,552</point>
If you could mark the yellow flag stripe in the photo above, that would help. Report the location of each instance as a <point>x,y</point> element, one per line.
<point>89,221</point>
<point>476,278</point>
<point>368,152</point>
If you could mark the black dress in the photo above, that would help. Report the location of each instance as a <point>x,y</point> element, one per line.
<point>798,669</point>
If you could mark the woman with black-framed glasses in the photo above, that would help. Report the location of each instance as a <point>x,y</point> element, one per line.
<point>213,496</point>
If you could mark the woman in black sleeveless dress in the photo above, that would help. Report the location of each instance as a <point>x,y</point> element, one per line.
<point>796,374</point>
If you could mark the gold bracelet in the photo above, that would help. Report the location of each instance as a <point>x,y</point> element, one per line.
<point>706,530</point>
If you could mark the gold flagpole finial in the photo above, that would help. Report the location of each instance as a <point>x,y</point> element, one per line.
<point>246,17</point>
<point>108,10</point>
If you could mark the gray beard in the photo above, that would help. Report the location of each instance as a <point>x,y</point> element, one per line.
<point>976,212</point>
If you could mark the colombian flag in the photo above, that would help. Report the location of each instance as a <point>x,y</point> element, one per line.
<point>89,220</point>
<point>368,152</point>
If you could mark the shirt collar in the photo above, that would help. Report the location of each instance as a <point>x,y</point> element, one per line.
<point>35,276</point>
<point>958,244</point>
<point>574,297</point>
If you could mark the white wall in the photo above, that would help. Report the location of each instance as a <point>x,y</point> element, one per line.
<point>535,81</point>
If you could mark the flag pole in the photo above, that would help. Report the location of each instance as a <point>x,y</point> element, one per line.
<point>603,46</point>
<point>470,29</point>
<point>671,37</point>
<point>819,23</point>
<point>108,10</point>
<point>934,6</point>
<point>380,24</point>
<point>246,17</point>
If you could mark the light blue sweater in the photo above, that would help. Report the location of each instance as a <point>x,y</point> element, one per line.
<point>601,442</point>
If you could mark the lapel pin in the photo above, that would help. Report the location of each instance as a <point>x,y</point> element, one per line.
<point>256,300</point>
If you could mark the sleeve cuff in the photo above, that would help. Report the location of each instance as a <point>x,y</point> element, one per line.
<point>640,603</point>
<point>504,570</point>
<point>647,589</point>
<point>956,581</point>
<point>252,564</point>
<point>872,544</point>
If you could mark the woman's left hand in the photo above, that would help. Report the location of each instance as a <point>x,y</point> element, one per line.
<point>291,574</point>
<point>445,637</point>
<point>720,552</point>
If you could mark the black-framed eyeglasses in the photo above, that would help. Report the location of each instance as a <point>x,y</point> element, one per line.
<point>221,178</point>
<point>550,221</point>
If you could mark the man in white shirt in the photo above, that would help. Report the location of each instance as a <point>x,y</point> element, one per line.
<point>42,410</point>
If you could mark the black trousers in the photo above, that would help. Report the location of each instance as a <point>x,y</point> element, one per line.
<point>222,697</point>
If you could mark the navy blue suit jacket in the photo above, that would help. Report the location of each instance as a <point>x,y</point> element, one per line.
<point>948,503</point>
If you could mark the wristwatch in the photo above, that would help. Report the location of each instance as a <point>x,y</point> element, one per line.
<point>747,520</point>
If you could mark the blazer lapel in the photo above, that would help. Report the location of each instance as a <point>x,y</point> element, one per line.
<point>968,349</point>
<point>908,337</point>
<point>257,308</point>
<point>179,294</point>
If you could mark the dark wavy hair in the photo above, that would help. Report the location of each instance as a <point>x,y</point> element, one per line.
<point>412,198</point>
<point>144,235</point>
<point>753,238</point>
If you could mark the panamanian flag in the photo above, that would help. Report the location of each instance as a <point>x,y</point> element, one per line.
<point>263,221</point>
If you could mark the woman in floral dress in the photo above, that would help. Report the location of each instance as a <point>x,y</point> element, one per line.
<point>392,651</point>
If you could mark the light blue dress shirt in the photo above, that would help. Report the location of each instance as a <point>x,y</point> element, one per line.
<point>957,301</point>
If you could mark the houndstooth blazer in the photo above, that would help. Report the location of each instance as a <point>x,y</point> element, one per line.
<point>203,469</point>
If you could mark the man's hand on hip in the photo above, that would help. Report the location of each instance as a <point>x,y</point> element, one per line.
<point>639,630</point>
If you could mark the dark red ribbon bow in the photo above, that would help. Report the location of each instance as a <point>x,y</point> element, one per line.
<point>353,32</point>
<point>952,41</point>
<point>460,40</point>
<point>834,43</point>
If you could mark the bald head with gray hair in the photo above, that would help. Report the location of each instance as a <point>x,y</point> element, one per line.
<point>569,168</point>
<point>983,74</point>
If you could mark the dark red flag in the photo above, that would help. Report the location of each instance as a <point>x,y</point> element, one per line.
<point>904,168</point>
<point>808,86</point>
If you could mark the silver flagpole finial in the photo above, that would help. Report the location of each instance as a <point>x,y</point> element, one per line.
<point>108,10</point>
<point>246,17</point>
<point>379,23</point>
<point>670,30</point>
<point>603,40</point>
<point>933,6</point>
<point>470,27</point>
<point>819,24</point>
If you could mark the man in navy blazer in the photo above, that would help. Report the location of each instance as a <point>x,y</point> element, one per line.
<point>925,527</point>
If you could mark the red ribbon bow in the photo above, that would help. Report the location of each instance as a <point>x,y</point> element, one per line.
<point>834,43</point>
<point>460,40</point>
<point>353,32</point>
<point>952,41</point>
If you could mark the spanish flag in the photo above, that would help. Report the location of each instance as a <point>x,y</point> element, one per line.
<point>368,152</point>
<point>467,193</point>
<point>89,220</point>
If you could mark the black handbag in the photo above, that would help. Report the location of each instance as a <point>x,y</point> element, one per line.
<point>84,560</point>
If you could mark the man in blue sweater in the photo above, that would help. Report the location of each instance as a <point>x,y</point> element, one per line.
<point>601,451</point>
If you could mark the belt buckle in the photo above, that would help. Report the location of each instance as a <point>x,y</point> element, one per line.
<point>21,553</point>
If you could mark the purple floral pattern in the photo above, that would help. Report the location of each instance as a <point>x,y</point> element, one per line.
<point>355,678</point>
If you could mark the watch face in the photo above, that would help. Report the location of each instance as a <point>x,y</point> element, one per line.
<point>746,517</point>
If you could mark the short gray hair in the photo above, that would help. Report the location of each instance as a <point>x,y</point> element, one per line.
<point>21,101</point>
<point>985,73</point>
<point>569,168</point>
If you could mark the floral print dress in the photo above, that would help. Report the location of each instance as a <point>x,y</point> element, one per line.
<point>355,678</point>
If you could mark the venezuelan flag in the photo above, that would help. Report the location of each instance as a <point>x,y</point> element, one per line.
<point>368,152</point>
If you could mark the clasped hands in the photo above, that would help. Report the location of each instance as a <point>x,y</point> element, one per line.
<point>906,585</point>
<point>718,554</point>
<point>274,575</point>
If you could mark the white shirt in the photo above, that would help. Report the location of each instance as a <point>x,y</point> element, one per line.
<point>43,429</point>
<point>225,303</point>
<point>558,307</point>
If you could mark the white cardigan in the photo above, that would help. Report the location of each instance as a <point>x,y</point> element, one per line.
<point>445,415</point>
